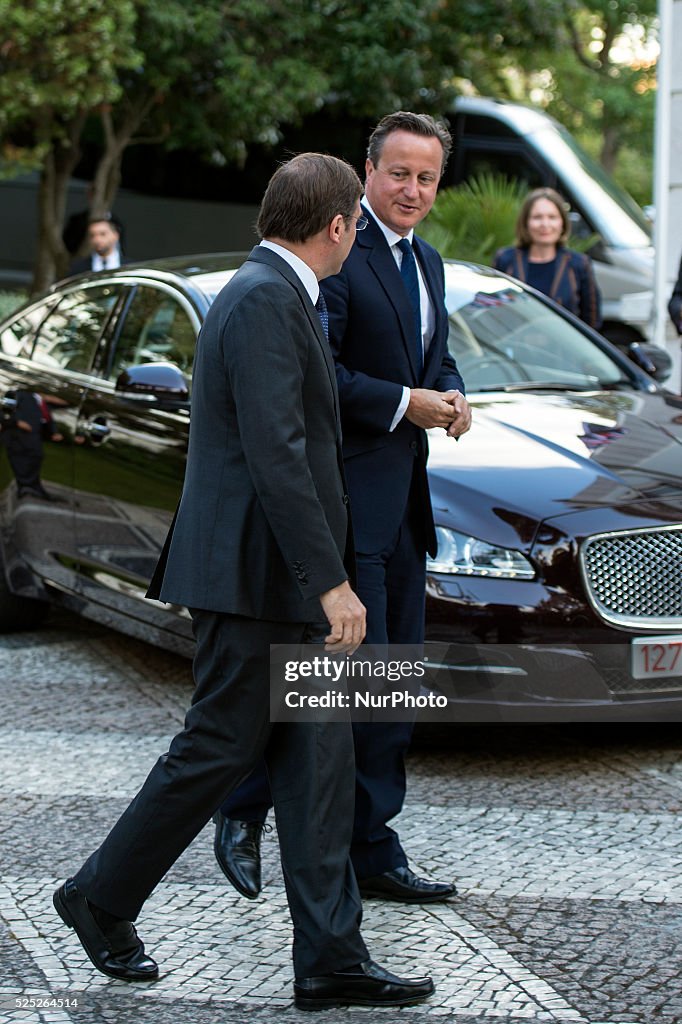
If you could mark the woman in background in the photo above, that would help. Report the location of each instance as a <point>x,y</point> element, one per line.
<point>540,257</point>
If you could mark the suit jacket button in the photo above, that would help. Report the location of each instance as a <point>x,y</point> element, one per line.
<point>346,499</point>
<point>413,445</point>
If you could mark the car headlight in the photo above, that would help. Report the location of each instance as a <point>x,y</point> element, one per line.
<point>469,556</point>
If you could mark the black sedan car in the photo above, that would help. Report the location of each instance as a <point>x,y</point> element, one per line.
<point>556,592</point>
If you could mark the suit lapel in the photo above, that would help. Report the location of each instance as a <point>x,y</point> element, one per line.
<point>381,262</point>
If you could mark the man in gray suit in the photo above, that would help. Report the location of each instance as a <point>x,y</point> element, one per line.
<point>257,553</point>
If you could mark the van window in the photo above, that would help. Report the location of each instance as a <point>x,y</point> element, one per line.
<point>637,233</point>
<point>510,163</point>
<point>478,124</point>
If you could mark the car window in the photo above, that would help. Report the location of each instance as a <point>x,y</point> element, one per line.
<point>69,336</point>
<point>500,335</point>
<point>156,329</point>
<point>17,337</point>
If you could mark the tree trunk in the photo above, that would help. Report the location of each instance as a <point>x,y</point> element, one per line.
<point>52,258</point>
<point>117,137</point>
<point>44,269</point>
<point>107,176</point>
<point>610,148</point>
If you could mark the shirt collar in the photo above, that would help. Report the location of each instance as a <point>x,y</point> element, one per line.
<point>390,235</point>
<point>113,260</point>
<point>301,269</point>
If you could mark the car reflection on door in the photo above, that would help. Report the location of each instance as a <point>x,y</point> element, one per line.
<point>128,472</point>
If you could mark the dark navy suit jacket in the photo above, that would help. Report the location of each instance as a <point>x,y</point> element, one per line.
<point>371,329</point>
<point>84,265</point>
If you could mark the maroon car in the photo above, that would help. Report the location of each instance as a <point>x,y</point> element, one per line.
<point>557,589</point>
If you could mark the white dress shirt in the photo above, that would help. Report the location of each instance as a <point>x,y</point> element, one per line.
<point>110,262</point>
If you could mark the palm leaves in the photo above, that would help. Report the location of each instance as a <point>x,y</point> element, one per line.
<point>475,219</point>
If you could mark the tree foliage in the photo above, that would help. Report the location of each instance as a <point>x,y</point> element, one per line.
<point>580,73</point>
<point>473,220</point>
<point>215,76</point>
<point>46,92</point>
<point>592,89</point>
<point>211,75</point>
<point>57,58</point>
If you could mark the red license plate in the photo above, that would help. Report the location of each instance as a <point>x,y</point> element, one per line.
<point>656,656</point>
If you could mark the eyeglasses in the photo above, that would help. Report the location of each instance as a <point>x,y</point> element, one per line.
<point>360,222</point>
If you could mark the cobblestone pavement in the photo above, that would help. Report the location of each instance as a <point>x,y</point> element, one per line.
<point>565,843</point>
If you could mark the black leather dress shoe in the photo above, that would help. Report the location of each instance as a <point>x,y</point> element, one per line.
<point>402,886</point>
<point>114,949</point>
<point>237,850</point>
<point>364,985</point>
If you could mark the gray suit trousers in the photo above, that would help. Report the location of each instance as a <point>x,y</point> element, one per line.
<point>227,729</point>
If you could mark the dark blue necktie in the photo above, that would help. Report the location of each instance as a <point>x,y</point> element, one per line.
<point>321,307</point>
<point>408,272</point>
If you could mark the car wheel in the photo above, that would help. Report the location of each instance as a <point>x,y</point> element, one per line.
<point>18,613</point>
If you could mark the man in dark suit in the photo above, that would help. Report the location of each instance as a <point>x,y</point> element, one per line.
<point>675,304</point>
<point>23,432</point>
<point>257,553</point>
<point>104,238</point>
<point>388,332</point>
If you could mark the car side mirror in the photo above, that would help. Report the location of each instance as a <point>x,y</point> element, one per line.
<point>653,359</point>
<point>161,381</point>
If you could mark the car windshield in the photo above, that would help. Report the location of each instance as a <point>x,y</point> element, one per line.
<point>504,338</point>
<point>606,203</point>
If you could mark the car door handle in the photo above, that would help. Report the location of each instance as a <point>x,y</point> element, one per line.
<point>96,430</point>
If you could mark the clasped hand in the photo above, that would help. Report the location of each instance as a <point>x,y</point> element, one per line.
<point>447,409</point>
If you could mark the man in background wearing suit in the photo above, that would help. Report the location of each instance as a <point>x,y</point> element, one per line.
<point>104,239</point>
<point>256,551</point>
<point>388,332</point>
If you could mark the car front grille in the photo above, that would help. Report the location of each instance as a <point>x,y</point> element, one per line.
<point>635,578</point>
<point>620,682</point>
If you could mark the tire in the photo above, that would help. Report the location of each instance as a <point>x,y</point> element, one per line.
<point>19,613</point>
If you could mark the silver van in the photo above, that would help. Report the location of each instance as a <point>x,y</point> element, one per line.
<point>520,142</point>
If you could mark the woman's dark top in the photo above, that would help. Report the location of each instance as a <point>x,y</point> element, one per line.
<point>568,279</point>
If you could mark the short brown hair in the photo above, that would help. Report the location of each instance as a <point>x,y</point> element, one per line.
<point>417,124</point>
<point>305,194</point>
<point>523,239</point>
